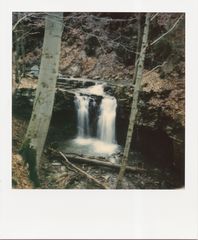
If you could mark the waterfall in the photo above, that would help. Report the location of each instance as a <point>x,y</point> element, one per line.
<point>106,122</point>
<point>105,113</point>
<point>82,106</point>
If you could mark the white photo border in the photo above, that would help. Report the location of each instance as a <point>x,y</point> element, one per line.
<point>99,214</point>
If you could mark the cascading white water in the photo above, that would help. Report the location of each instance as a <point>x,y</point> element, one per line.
<point>82,105</point>
<point>105,143</point>
<point>106,122</point>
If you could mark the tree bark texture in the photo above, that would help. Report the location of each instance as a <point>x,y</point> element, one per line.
<point>139,35</point>
<point>17,49</point>
<point>134,106</point>
<point>43,103</point>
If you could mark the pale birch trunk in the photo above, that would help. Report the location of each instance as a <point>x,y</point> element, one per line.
<point>139,36</point>
<point>36,134</point>
<point>22,45</point>
<point>134,106</point>
<point>15,58</point>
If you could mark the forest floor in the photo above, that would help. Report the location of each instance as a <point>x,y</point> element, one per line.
<point>20,173</point>
<point>54,175</point>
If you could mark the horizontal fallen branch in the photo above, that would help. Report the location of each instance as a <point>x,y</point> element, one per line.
<point>82,159</point>
<point>76,158</point>
<point>82,172</point>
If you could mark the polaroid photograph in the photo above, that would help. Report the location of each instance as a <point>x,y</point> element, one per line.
<point>99,121</point>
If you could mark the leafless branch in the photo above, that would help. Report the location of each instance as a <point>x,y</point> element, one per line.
<point>154,16</point>
<point>83,172</point>
<point>163,35</point>
<point>24,36</point>
<point>21,19</point>
<point>94,35</point>
<point>114,19</point>
<point>153,69</point>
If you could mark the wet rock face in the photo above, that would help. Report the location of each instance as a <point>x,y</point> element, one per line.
<point>153,107</point>
<point>151,115</point>
<point>73,83</point>
<point>22,101</point>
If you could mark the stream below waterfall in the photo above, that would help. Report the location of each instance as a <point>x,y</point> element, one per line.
<point>96,124</point>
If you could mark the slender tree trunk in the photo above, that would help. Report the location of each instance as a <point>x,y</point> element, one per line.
<point>134,108</point>
<point>139,35</point>
<point>21,49</point>
<point>17,49</point>
<point>36,134</point>
<point>22,45</point>
<point>18,55</point>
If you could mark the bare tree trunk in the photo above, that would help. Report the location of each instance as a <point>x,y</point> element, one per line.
<point>21,49</point>
<point>134,108</point>
<point>139,35</point>
<point>18,56</point>
<point>22,45</point>
<point>17,49</point>
<point>36,134</point>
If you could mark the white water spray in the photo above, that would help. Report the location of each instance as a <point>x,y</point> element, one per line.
<point>82,105</point>
<point>106,140</point>
<point>106,122</point>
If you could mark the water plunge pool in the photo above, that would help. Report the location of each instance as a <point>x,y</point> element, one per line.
<point>98,140</point>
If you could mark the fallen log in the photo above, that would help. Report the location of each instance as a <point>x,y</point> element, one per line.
<point>93,161</point>
<point>82,172</point>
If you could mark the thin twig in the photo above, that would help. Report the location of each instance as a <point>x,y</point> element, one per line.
<point>83,172</point>
<point>21,19</point>
<point>100,39</point>
<point>93,35</point>
<point>153,69</point>
<point>154,16</point>
<point>24,36</point>
<point>163,35</point>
